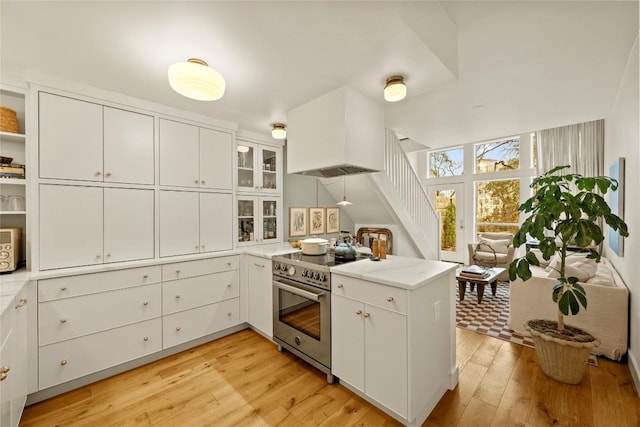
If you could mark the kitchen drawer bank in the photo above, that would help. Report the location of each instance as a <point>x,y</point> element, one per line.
<point>93,326</point>
<point>393,333</point>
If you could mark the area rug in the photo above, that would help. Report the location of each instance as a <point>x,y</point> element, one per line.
<point>491,316</point>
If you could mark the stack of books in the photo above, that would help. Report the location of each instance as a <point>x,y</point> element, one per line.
<point>475,272</point>
<point>13,170</point>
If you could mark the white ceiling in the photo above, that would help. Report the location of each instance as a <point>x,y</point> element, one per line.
<point>530,65</point>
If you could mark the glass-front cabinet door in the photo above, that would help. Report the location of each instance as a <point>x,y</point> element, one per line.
<point>258,220</point>
<point>246,166</point>
<point>247,220</point>
<point>270,167</point>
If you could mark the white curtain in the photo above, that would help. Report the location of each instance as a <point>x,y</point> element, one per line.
<point>580,145</point>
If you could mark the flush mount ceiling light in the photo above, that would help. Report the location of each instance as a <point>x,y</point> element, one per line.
<point>279,131</point>
<point>395,89</point>
<point>344,201</point>
<point>243,149</point>
<point>194,79</point>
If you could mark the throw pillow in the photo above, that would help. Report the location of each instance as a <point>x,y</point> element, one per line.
<point>544,263</point>
<point>500,246</point>
<point>583,270</point>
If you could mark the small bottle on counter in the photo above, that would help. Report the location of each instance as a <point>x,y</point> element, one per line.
<point>374,247</point>
<point>383,249</point>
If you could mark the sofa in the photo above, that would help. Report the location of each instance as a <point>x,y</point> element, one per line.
<point>607,313</point>
<point>494,250</point>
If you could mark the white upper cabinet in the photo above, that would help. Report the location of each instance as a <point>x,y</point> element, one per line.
<point>259,168</point>
<point>128,147</point>
<point>191,156</point>
<point>128,224</point>
<point>70,226</point>
<point>216,159</point>
<point>179,227</point>
<point>216,222</point>
<point>88,142</point>
<point>70,138</point>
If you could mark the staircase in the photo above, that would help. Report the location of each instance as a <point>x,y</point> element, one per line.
<point>392,196</point>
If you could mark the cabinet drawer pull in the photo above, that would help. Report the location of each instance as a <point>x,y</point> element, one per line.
<point>228,264</point>
<point>63,320</point>
<point>367,315</point>
<point>145,276</point>
<point>146,338</point>
<point>145,303</point>
<point>202,247</point>
<point>63,362</point>
<point>177,271</point>
<point>108,174</point>
<point>178,329</point>
<point>340,286</point>
<point>358,312</point>
<point>390,299</point>
<point>202,182</point>
<point>258,265</point>
<point>63,288</point>
<point>197,247</point>
<point>22,303</point>
<point>98,173</point>
<point>3,376</point>
<point>108,255</point>
<point>5,369</point>
<point>177,296</point>
<point>229,314</point>
<point>228,285</point>
<point>195,181</point>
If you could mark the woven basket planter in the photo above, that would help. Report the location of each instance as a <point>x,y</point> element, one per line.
<point>8,120</point>
<point>562,360</point>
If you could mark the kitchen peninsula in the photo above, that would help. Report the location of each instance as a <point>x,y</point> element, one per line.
<point>393,333</point>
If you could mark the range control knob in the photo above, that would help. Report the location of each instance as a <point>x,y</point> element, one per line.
<point>323,277</point>
<point>276,266</point>
<point>291,271</point>
<point>305,273</point>
<point>316,275</point>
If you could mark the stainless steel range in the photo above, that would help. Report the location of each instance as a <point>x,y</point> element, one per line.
<point>302,307</point>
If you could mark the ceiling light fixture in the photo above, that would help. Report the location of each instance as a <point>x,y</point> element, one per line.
<point>395,89</point>
<point>194,79</point>
<point>279,131</point>
<point>344,201</point>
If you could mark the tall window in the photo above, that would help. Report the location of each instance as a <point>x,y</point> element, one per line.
<point>498,155</point>
<point>446,163</point>
<point>497,204</point>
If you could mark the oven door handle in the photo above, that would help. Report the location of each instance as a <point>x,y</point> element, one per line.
<point>298,291</point>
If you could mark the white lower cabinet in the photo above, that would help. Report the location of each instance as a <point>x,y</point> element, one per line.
<point>67,360</point>
<point>260,294</point>
<point>369,351</point>
<point>13,356</point>
<point>188,325</point>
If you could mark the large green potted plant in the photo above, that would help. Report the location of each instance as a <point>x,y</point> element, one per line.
<point>560,218</point>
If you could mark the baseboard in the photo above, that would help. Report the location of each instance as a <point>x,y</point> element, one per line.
<point>635,370</point>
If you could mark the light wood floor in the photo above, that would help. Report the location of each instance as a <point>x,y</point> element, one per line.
<point>242,380</point>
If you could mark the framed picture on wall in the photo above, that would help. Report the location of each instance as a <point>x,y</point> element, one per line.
<point>316,220</point>
<point>333,220</point>
<point>297,222</point>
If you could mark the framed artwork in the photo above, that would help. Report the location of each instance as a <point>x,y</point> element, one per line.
<point>316,220</point>
<point>333,220</point>
<point>616,202</point>
<point>297,222</point>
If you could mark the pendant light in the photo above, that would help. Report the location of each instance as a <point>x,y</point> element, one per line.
<point>395,90</point>
<point>194,79</point>
<point>279,131</point>
<point>344,201</point>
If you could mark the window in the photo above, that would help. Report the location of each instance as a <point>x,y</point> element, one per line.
<point>446,163</point>
<point>497,203</point>
<point>498,155</point>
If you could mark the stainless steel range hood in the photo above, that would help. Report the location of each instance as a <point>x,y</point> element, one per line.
<point>340,133</point>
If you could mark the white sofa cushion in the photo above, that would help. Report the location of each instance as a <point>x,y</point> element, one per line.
<point>582,268</point>
<point>500,246</point>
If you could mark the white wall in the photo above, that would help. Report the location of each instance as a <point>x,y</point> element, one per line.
<point>622,140</point>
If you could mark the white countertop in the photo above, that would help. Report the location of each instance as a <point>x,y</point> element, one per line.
<point>401,272</point>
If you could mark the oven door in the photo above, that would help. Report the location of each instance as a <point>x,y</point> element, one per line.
<point>302,318</point>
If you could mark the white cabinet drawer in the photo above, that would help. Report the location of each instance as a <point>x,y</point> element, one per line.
<point>75,358</point>
<point>181,270</point>
<point>198,322</point>
<point>72,317</point>
<point>179,295</point>
<point>63,287</point>
<point>376,294</point>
